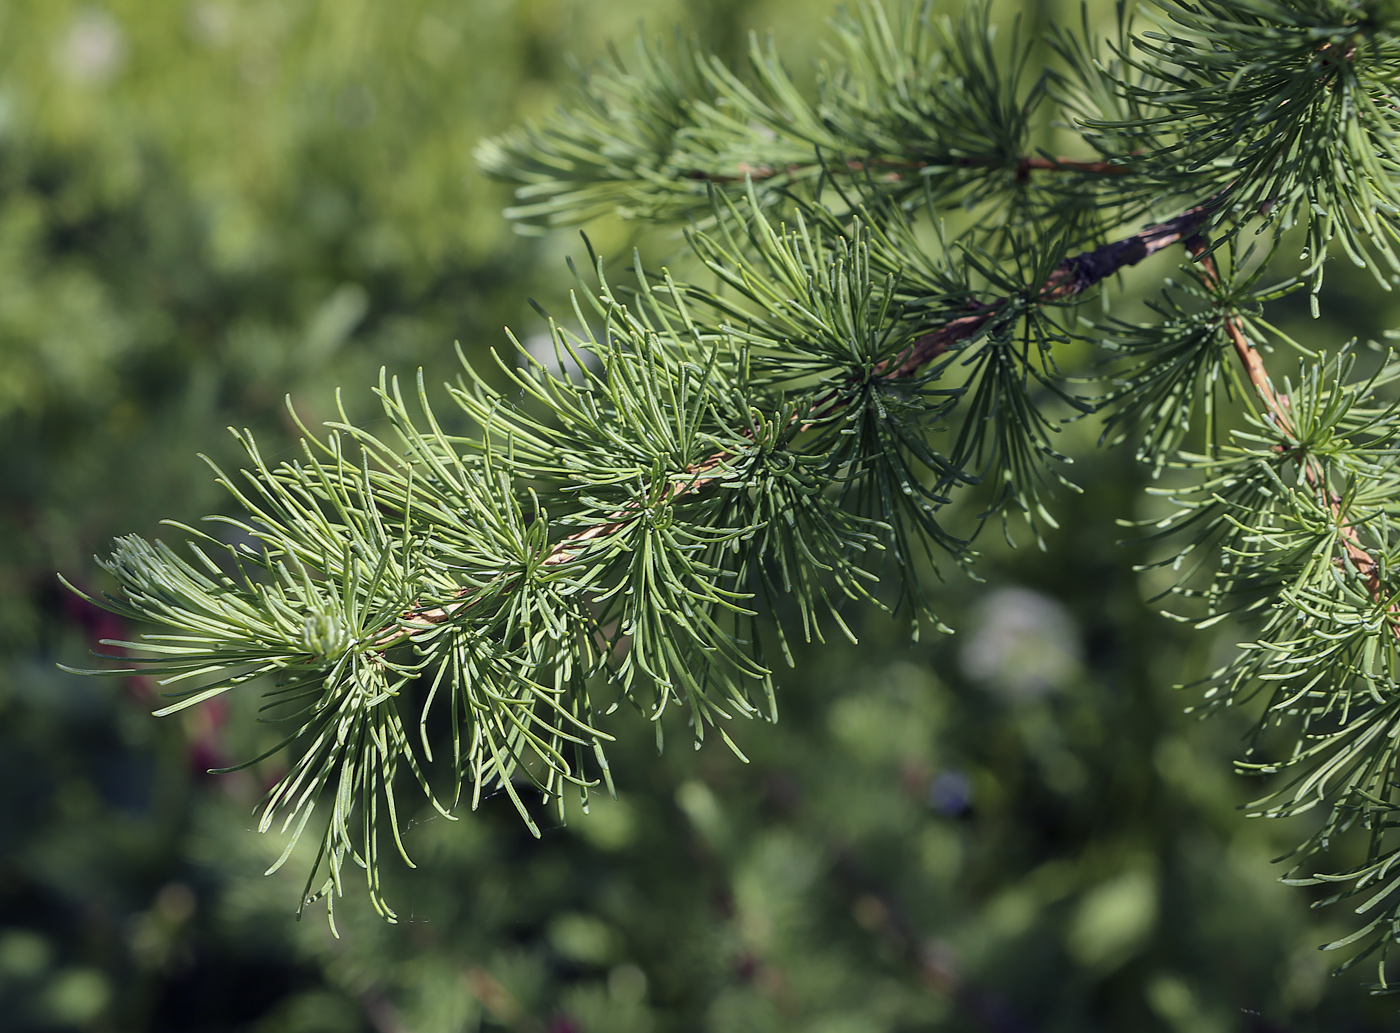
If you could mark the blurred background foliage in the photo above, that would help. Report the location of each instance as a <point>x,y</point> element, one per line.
<point>205,206</point>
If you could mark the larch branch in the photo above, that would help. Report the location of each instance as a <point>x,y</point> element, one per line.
<point>1073,276</point>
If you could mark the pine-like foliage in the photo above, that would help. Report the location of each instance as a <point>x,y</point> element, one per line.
<point>864,354</point>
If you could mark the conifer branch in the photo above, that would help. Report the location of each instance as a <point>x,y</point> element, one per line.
<point>840,372</point>
<point>1073,276</point>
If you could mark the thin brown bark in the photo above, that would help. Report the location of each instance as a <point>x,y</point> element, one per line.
<point>1098,168</point>
<point>893,171</point>
<point>1073,276</point>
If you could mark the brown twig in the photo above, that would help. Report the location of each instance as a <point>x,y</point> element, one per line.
<point>1250,359</point>
<point>1040,163</point>
<point>893,171</point>
<point>1073,276</point>
<point>1277,407</point>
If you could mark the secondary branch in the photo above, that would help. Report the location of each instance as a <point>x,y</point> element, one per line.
<point>1276,405</point>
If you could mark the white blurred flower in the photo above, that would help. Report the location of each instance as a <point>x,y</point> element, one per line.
<point>211,22</point>
<point>93,50</point>
<point>1021,644</point>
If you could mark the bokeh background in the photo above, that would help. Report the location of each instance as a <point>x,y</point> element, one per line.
<point>208,205</point>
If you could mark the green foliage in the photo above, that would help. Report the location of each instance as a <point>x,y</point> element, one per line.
<point>1290,519</point>
<point>1286,108</point>
<point>919,107</point>
<point>861,364</point>
<point>1162,370</point>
